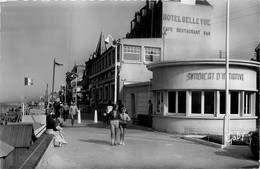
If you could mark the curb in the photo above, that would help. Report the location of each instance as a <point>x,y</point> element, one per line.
<point>47,149</point>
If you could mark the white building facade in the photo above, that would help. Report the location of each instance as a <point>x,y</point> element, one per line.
<point>188,82</point>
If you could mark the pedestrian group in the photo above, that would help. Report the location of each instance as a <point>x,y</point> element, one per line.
<point>117,119</point>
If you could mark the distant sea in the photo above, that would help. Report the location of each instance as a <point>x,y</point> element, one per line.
<point>5,107</point>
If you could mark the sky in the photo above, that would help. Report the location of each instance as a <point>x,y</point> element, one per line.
<point>34,33</point>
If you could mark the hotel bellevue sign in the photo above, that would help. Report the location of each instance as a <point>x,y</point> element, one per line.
<point>186,31</point>
<point>187,20</point>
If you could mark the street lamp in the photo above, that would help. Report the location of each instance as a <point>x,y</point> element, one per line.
<point>226,120</point>
<point>72,76</point>
<point>114,44</point>
<point>54,64</point>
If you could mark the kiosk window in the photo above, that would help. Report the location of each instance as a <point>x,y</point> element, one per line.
<point>182,102</point>
<point>234,103</point>
<point>222,102</point>
<point>159,102</point>
<point>196,102</point>
<point>209,102</point>
<point>247,103</point>
<point>172,102</point>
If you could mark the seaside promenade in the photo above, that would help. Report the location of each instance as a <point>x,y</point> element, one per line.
<point>89,148</point>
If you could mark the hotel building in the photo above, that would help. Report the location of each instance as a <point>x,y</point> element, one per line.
<point>167,58</point>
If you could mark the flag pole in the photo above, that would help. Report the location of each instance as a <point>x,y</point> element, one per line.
<point>26,88</point>
<point>53,80</point>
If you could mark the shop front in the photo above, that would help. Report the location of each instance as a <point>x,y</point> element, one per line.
<point>190,96</point>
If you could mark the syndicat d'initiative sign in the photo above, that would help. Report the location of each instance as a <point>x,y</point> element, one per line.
<point>187,31</point>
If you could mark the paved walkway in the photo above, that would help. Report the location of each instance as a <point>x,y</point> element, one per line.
<point>89,148</point>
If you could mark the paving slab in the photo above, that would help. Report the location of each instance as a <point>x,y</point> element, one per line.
<point>89,148</point>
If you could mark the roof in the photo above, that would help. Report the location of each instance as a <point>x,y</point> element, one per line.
<point>257,48</point>
<point>5,149</point>
<point>138,84</point>
<point>202,2</point>
<point>17,135</point>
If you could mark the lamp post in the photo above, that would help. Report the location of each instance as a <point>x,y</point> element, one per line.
<point>114,44</point>
<point>53,77</point>
<point>226,120</point>
<point>71,76</point>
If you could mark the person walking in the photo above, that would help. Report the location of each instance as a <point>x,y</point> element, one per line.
<point>73,112</point>
<point>66,109</point>
<point>114,124</point>
<point>124,118</point>
<point>150,112</point>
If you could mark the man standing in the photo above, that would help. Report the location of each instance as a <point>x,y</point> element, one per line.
<point>73,112</point>
<point>66,109</point>
<point>150,112</point>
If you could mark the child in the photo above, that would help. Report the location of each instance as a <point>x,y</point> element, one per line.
<point>124,118</point>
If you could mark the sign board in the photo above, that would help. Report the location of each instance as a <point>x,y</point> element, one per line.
<point>186,31</point>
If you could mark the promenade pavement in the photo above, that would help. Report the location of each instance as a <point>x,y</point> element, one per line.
<point>89,148</point>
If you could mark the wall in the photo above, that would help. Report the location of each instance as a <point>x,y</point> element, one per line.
<point>207,75</point>
<point>141,94</point>
<point>188,125</point>
<point>188,31</point>
<point>136,72</point>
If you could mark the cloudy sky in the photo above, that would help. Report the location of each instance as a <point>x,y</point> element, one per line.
<point>33,33</point>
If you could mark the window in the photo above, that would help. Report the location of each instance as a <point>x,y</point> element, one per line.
<point>234,103</point>
<point>247,103</point>
<point>172,102</point>
<point>93,94</point>
<point>132,53</point>
<point>152,54</point>
<point>106,93</point>
<point>209,102</point>
<point>196,102</point>
<point>222,102</point>
<point>182,102</point>
<point>109,59</point>
<point>99,65</point>
<point>103,64</point>
<point>159,102</point>
<point>100,93</point>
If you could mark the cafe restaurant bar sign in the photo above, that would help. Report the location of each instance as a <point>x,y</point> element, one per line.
<point>186,31</point>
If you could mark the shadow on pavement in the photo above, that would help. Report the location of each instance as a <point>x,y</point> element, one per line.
<point>102,142</point>
<point>252,167</point>
<point>238,154</point>
<point>129,126</point>
<point>97,125</point>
